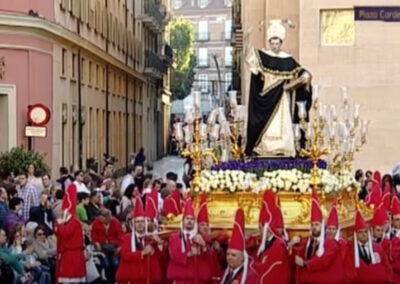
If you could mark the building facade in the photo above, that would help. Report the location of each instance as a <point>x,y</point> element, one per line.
<point>100,66</point>
<point>212,24</point>
<point>339,51</point>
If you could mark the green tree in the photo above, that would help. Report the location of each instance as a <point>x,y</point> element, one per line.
<point>182,41</point>
<point>18,159</point>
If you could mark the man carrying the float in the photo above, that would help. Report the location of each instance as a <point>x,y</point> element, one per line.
<point>277,83</point>
<point>271,261</point>
<point>394,253</point>
<point>365,260</point>
<point>140,255</point>
<point>71,262</point>
<point>239,270</point>
<point>210,260</point>
<point>333,229</point>
<point>185,248</point>
<point>318,257</point>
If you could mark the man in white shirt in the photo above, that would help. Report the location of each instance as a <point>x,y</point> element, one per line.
<point>127,180</point>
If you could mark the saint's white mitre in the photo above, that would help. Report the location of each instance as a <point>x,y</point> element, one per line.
<point>276,29</point>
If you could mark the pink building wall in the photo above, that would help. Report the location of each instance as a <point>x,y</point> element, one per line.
<point>29,66</point>
<point>43,7</point>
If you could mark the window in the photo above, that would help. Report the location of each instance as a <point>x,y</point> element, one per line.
<point>203,3</point>
<point>228,3</point>
<point>104,78</point>
<point>63,59</point>
<point>203,30</point>
<point>177,4</point>
<point>337,27</point>
<point>203,83</point>
<point>203,56</point>
<point>228,55</point>
<point>228,29</point>
<point>97,75</point>
<point>82,70</point>
<point>90,72</point>
<point>228,80</point>
<point>73,66</point>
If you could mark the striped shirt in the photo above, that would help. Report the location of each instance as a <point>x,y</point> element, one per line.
<point>30,196</point>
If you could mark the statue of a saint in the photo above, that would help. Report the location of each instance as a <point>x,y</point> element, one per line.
<point>277,83</point>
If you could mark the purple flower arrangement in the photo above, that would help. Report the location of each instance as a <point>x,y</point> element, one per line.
<point>260,166</point>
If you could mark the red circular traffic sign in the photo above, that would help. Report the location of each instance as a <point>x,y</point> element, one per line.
<point>38,115</point>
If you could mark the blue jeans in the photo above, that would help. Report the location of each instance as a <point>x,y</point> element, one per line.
<point>112,263</point>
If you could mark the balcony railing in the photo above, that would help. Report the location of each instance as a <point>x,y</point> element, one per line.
<point>202,36</point>
<point>153,64</point>
<point>153,11</point>
<point>169,53</point>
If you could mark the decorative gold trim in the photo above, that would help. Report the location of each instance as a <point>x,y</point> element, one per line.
<point>268,123</point>
<point>289,74</point>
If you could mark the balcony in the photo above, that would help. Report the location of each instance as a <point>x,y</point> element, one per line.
<point>168,55</point>
<point>154,65</point>
<point>202,36</point>
<point>152,16</point>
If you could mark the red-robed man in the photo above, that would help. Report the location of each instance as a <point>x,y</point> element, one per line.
<point>378,224</point>
<point>210,259</point>
<point>71,263</point>
<point>365,262</point>
<point>140,262</point>
<point>318,257</point>
<point>333,229</point>
<point>271,261</point>
<point>185,248</point>
<point>395,240</point>
<point>239,270</point>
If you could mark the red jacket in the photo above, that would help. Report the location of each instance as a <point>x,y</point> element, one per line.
<point>328,267</point>
<point>236,279</point>
<point>378,273</point>
<point>394,258</point>
<point>184,269</point>
<point>113,235</point>
<point>70,249</point>
<point>273,266</point>
<point>136,269</point>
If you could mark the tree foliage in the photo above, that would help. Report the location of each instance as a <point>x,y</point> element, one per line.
<point>182,42</point>
<point>17,160</point>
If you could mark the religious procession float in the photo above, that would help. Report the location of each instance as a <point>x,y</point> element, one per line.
<point>286,140</point>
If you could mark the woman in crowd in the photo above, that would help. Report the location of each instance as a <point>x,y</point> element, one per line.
<point>45,248</point>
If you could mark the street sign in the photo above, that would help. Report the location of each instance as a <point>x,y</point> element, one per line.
<point>38,115</point>
<point>35,131</point>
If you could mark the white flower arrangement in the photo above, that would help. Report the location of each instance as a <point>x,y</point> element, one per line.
<point>279,180</point>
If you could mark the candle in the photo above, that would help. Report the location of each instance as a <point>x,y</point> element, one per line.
<point>297,132</point>
<point>315,96</point>
<point>212,117</point>
<point>178,131</point>
<point>189,115</point>
<point>333,112</point>
<point>345,95</point>
<point>344,132</point>
<point>221,115</point>
<point>302,109</point>
<point>346,112</point>
<point>203,129</point>
<point>225,129</point>
<point>352,145</point>
<point>197,99</point>
<point>322,109</point>
<point>333,129</point>
<point>188,134</point>
<point>357,111</point>
<point>364,127</point>
<point>232,99</point>
<point>309,131</point>
<point>215,132</point>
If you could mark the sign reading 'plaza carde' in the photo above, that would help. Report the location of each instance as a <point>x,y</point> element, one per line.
<point>386,14</point>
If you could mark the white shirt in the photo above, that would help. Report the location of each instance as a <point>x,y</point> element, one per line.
<point>127,180</point>
<point>81,187</point>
